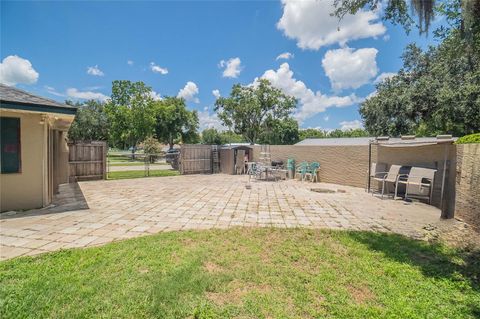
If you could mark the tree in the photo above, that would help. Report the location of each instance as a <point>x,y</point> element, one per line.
<point>211,136</point>
<point>280,132</point>
<point>131,113</point>
<point>398,12</point>
<point>316,133</point>
<point>214,137</point>
<point>436,92</point>
<point>231,137</point>
<point>152,147</point>
<point>249,109</point>
<point>358,132</point>
<point>91,122</point>
<point>174,123</point>
<point>311,133</point>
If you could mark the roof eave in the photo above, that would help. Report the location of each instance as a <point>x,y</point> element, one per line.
<point>38,107</point>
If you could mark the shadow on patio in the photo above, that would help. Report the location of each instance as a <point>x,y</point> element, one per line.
<point>69,198</point>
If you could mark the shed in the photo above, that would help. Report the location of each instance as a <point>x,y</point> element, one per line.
<point>34,151</point>
<point>233,158</point>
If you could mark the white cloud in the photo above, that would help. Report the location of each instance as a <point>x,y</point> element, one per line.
<point>383,76</point>
<point>85,95</point>
<point>16,70</point>
<point>51,90</point>
<point>347,68</point>
<point>311,102</point>
<point>232,67</point>
<point>350,125</point>
<point>207,120</point>
<point>326,118</point>
<point>285,55</point>
<point>93,88</point>
<point>216,93</point>
<point>94,70</point>
<point>310,23</point>
<point>130,62</point>
<point>189,92</point>
<point>158,69</point>
<point>155,96</point>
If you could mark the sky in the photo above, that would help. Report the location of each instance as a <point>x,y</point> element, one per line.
<point>199,49</point>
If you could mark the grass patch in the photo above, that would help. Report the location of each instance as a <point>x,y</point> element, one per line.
<point>246,273</point>
<point>124,159</point>
<point>140,174</point>
<point>134,164</point>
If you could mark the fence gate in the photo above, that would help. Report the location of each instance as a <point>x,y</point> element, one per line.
<point>87,161</point>
<point>195,159</point>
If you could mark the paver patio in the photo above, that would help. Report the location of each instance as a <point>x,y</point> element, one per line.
<point>95,213</point>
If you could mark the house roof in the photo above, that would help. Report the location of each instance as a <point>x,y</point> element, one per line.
<point>340,141</point>
<point>236,147</point>
<point>13,98</point>
<point>359,141</point>
<point>418,141</point>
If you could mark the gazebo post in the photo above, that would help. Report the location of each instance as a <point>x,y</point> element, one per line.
<point>444,213</point>
<point>369,164</point>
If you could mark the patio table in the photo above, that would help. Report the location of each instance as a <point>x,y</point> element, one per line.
<point>265,171</point>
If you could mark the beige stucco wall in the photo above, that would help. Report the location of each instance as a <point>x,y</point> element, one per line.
<point>467,203</point>
<point>25,190</point>
<point>344,165</point>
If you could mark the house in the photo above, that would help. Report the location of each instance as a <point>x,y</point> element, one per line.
<point>34,151</point>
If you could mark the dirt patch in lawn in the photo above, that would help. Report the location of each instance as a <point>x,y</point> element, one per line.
<point>360,294</point>
<point>237,291</point>
<point>212,267</point>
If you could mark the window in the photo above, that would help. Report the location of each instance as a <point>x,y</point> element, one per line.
<point>10,143</point>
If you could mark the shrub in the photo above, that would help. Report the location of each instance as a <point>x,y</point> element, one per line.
<point>152,146</point>
<point>469,139</point>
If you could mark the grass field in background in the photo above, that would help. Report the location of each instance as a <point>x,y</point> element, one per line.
<point>246,273</point>
<point>123,159</point>
<point>139,174</point>
<point>134,164</point>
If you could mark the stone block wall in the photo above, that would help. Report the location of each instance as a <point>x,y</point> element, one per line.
<point>467,201</point>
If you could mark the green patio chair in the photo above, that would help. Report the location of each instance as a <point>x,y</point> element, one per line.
<point>312,172</point>
<point>301,170</point>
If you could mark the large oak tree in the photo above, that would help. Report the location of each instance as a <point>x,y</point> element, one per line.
<point>250,109</point>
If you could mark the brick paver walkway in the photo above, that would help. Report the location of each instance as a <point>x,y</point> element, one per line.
<point>106,211</point>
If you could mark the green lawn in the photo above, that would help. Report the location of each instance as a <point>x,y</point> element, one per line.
<point>246,273</point>
<point>134,164</point>
<point>120,158</point>
<point>139,174</point>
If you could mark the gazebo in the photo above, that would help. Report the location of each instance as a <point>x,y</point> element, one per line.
<point>428,152</point>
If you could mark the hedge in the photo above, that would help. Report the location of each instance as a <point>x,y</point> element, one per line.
<point>468,139</point>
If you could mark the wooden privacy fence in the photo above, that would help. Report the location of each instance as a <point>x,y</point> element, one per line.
<point>87,161</point>
<point>195,159</point>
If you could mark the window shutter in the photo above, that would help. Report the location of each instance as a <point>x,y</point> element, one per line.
<point>10,144</point>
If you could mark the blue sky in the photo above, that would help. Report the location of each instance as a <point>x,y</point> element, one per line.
<point>74,50</point>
